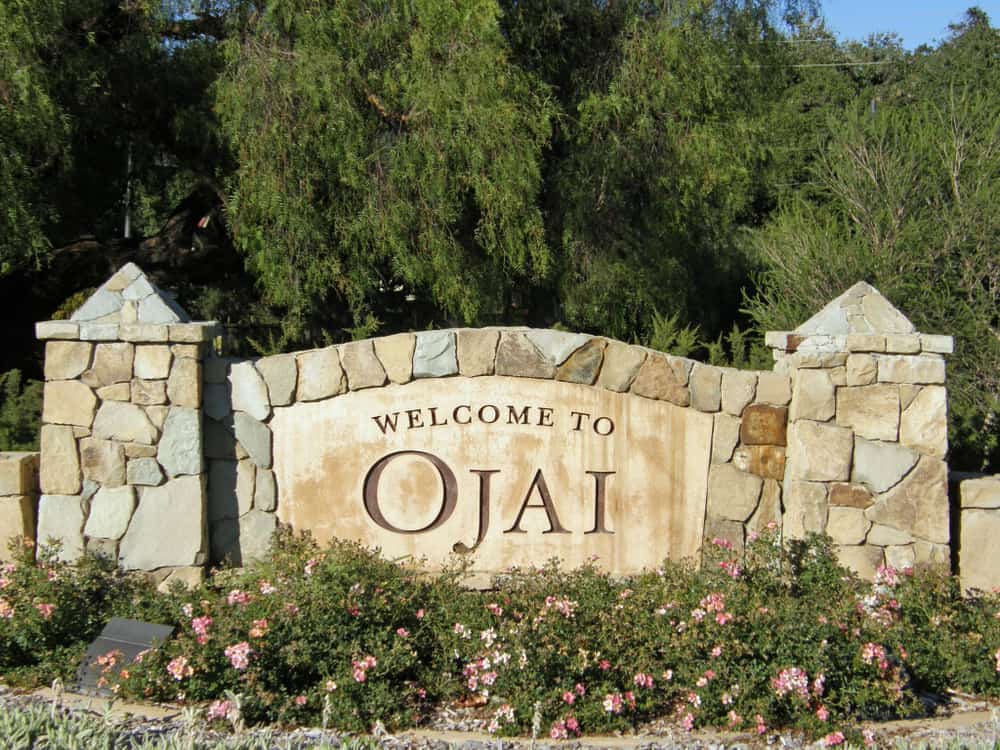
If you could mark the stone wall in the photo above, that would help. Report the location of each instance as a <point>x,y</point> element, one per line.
<point>18,497</point>
<point>979,530</point>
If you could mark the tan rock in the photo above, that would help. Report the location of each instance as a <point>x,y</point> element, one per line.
<point>861,369</point>
<point>320,375</point>
<point>248,391</point>
<point>103,461</point>
<point>361,366</point>
<point>769,509</point>
<point>903,343</point>
<point>838,376</point>
<point>191,351</point>
<point>135,450</point>
<point>979,556</point>
<point>907,393</point>
<point>872,411</point>
<point>937,344</point>
<point>621,364</point>
<point>918,504</point>
<point>884,536</point>
<point>17,518</point>
<point>184,383</point>
<point>732,494</point>
<point>900,557</point>
<point>924,369</point>
<point>813,396</point>
<point>57,329</point>
<point>819,452</point>
<point>113,363</point>
<point>60,463</point>
<point>157,415</point>
<point>847,525</point>
<point>280,374</point>
<point>245,471</point>
<point>725,529</point>
<point>923,425</point>
<point>18,472</point>
<point>186,578</point>
<point>116,392</point>
<point>738,389</point>
<point>764,425</point>
<point>518,357</point>
<point>850,495</point>
<point>148,392</point>
<point>68,402</point>
<point>396,355</point>
<point>152,362</point>
<point>110,512</point>
<point>60,520</point>
<point>766,461</point>
<point>584,364</point>
<point>725,436</point>
<point>125,422</point>
<point>706,388</point>
<point>66,360</point>
<point>477,349</point>
<point>773,388</point>
<point>805,509</point>
<point>142,332</point>
<point>980,492</point>
<point>194,333</point>
<point>934,556</point>
<point>657,379</point>
<point>863,560</point>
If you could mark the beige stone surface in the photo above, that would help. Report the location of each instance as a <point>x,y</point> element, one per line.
<point>57,329</point>
<point>918,504</point>
<point>18,472</point>
<point>396,354</point>
<point>980,492</point>
<point>769,509</point>
<point>248,391</point>
<point>157,415</point>
<point>872,411</point>
<point>663,380</point>
<point>189,577</point>
<point>60,519</point>
<point>738,390</point>
<point>116,392</point>
<point>937,344</point>
<point>706,387</point>
<point>923,425</point>
<point>819,452</point>
<point>361,366</point>
<point>862,559</point>
<point>813,396</point>
<point>880,466</point>
<point>717,529</point>
<point>280,374</point>
<point>184,383</point>
<point>621,364</point>
<point>518,357</point>
<point>850,495</point>
<point>766,461</point>
<point>805,509</point>
<point>763,424</point>
<point>773,388</point>
<point>103,461</point>
<point>245,471</point>
<point>320,375</point>
<point>924,369</point>
<point>979,556</point>
<point>191,351</point>
<point>930,555</point>
<point>847,525</point>
<point>653,502</point>
<point>113,363</point>
<point>66,360</point>
<point>476,352</point>
<point>168,527</point>
<point>725,436</point>
<point>17,518</point>
<point>584,364</point>
<point>125,422</point>
<point>732,493</point>
<point>142,332</point>
<point>68,402</point>
<point>148,392</point>
<point>884,536</point>
<point>865,342</point>
<point>862,369</point>
<point>110,512</point>
<point>152,362</point>
<point>59,473</point>
<point>900,557</point>
<point>903,343</point>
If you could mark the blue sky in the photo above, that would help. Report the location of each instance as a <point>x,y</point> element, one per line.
<point>916,21</point>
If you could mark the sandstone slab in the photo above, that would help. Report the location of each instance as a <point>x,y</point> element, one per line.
<point>901,557</point>
<point>864,560</point>
<point>661,379</point>
<point>819,452</point>
<point>872,411</point>
<point>980,492</point>
<point>68,402</point>
<point>979,557</point>
<point>903,369</point>
<point>57,329</point>
<point>152,362</point>
<point>773,388</point>
<point>59,472</point>
<point>255,437</point>
<point>186,578</point>
<point>116,392</point>
<point>766,461</point>
<point>265,494</point>
<point>125,422</point>
<point>918,504</point>
<point>280,375</point>
<point>145,471</point>
<point>847,525</point>
<point>320,375</point>
<point>148,392</point>
<point>850,495</point>
<point>768,513</point>
<point>103,461</point>
<point>880,465</point>
<point>248,391</point>
<point>725,436</point>
<point>518,357</point>
<point>434,355</point>
<point>184,383</point>
<point>738,390</point>
<point>621,365</point>
<point>862,369</point>
<point>724,529</point>
<point>110,512</point>
<point>17,518</point>
<point>179,451</point>
<point>884,536</point>
<point>732,494</point>
<point>60,519</point>
<point>584,364</point>
<point>923,425</point>
<point>66,360</point>
<point>362,367</point>
<point>813,396</point>
<point>256,531</point>
<point>113,363</point>
<point>396,354</point>
<point>764,425</point>
<point>806,509</point>
<point>245,472</point>
<point>168,527</point>
<point>705,384</point>
<point>19,472</point>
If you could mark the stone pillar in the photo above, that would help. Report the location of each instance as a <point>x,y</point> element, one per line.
<point>868,433</point>
<point>979,529</point>
<point>122,472</point>
<point>18,497</point>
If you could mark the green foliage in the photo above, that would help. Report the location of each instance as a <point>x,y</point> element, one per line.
<point>20,412</point>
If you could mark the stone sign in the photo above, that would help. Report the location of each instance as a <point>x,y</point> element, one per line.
<point>513,471</point>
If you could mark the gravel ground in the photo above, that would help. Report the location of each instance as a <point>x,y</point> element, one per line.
<point>964,721</point>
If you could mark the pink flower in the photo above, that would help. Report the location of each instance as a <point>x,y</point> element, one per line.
<point>572,725</point>
<point>997,657</point>
<point>732,569</point>
<point>694,699</point>
<point>687,723</point>
<point>723,617</point>
<point>714,602</point>
<point>188,610</point>
<point>219,710</point>
<point>558,731</point>
<point>717,652</point>
<point>822,714</point>
<point>761,726</point>
<point>301,700</point>
<point>45,610</point>
<point>818,684</point>
<point>6,611</point>
<point>310,566</point>
<point>266,588</point>
<point>420,614</point>
<point>402,632</point>
<point>330,686</point>
<point>722,543</point>
<point>869,737</point>
<point>727,699</point>
<point>643,680</point>
<point>237,597</point>
<point>734,719</point>
<point>605,665</point>
<point>361,667</point>
<point>874,653</point>
<point>834,738</point>
<point>568,698</point>
<point>200,626</point>
<point>580,689</point>
<point>4,582</point>
<point>239,655</point>
<point>613,703</point>
<point>495,608</point>
<point>259,629</point>
<point>179,668</point>
<point>791,680</point>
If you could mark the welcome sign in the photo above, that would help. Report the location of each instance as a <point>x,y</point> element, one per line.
<point>510,470</point>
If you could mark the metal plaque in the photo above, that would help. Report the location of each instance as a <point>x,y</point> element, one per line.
<point>116,647</point>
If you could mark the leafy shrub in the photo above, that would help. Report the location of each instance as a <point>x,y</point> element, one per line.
<point>20,412</point>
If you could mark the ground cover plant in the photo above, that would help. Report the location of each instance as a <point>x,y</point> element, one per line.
<point>780,637</point>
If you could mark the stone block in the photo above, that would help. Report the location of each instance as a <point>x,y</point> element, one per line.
<point>872,411</point>
<point>764,425</point>
<point>152,362</point>
<point>900,557</point>
<point>157,310</point>
<point>396,354</point>
<point>179,451</point>
<point>148,392</point>
<point>880,466</point>
<point>705,384</point>
<point>68,402</point>
<point>280,375</point>
<point>863,560</point>
<point>850,495</point>
<point>184,383</point>
<point>144,471</point>
<point>135,450</point>
<point>116,392</point>
<point>725,529</point>
<point>980,492</point>
<point>813,396</point>
<point>936,344</point>
<point>113,363</point>
<point>125,422</point>
<point>157,415</point>
<point>265,494</point>
<point>110,512</point>
<point>923,425</point>
<point>884,536</point>
<point>59,472</point>
<point>847,525</point>
<point>903,343</point>
<point>518,357</point>
<point>245,471</point>
<point>66,360</point>
<point>773,388</point>
<point>57,329</point>
<point>621,365</point>
<point>918,504</point>
<point>19,472</point>
<point>320,375</point>
<point>255,437</point>
<point>769,509</point>
<point>188,577</point>
<point>805,509</point>
<point>361,366</point>
<point>60,519</point>
<point>191,351</point>
<point>862,369</point>
<point>194,333</point>
<point>766,461</point>
<point>659,378</point>
<point>434,355</point>
<point>99,332</point>
<point>143,333</point>
<point>17,519</point>
<point>100,304</point>
<point>738,390</point>
<point>819,452</point>
<point>725,436</point>
<point>103,461</point>
<point>168,527</point>
<point>922,370</point>
<point>584,364</point>
<point>934,556</point>
<point>556,346</point>
<point>248,391</point>
<point>732,494</point>
<point>979,555</point>
<point>256,531</point>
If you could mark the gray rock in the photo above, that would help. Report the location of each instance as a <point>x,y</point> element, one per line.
<point>60,519</point>
<point>168,527</point>
<point>145,472</point>
<point>249,391</point>
<point>518,357</point>
<point>159,310</point>
<point>255,437</point>
<point>556,346</point>
<point>244,486</point>
<point>265,495</point>
<point>179,451</point>
<point>256,530</point>
<point>880,465</point>
<point>138,289</point>
<point>435,355</point>
<point>117,420</point>
<point>110,512</point>
<point>281,375</point>
<point>732,494</point>
<point>101,303</point>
